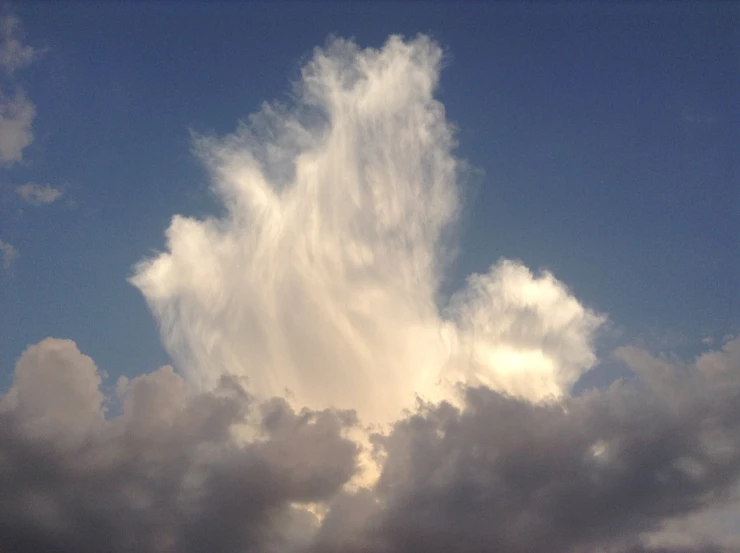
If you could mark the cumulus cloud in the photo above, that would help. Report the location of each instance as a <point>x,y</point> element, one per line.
<point>165,475</point>
<point>628,469</point>
<point>323,276</point>
<point>38,194</point>
<point>525,335</point>
<point>323,397</point>
<point>56,390</point>
<point>8,254</point>
<point>602,472</point>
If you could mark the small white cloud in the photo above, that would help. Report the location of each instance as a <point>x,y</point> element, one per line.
<point>8,254</point>
<point>39,194</point>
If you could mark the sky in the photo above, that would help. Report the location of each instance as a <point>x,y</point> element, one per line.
<point>370,277</point>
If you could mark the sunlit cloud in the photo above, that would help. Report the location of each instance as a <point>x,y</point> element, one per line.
<point>323,276</point>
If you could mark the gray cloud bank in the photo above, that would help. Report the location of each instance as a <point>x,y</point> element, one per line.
<point>217,471</point>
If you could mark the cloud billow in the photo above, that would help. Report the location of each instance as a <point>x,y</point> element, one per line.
<point>165,475</point>
<point>180,470</point>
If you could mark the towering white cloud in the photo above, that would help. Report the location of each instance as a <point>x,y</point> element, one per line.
<point>322,277</point>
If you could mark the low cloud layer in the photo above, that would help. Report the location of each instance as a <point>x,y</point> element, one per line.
<point>325,399</point>
<point>614,470</point>
<point>168,474</point>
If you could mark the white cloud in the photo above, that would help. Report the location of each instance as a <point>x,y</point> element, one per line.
<point>323,277</point>
<point>522,334</point>
<point>39,194</point>
<point>8,254</point>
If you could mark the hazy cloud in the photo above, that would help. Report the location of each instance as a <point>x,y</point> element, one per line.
<point>16,110</point>
<point>39,194</point>
<point>13,53</point>
<point>16,115</point>
<point>8,254</point>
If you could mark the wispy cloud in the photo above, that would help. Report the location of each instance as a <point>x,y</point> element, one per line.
<point>39,194</point>
<point>14,54</point>
<point>8,254</point>
<point>692,115</point>
<point>16,117</point>
<point>16,110</point>
<point>699,118</point>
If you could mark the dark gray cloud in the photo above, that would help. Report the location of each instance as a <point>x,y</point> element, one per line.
<point>593,473</point>
<point>217,471</point>
<point>168,474</point>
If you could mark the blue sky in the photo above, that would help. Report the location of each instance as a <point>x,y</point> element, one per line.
<point>605,139</point>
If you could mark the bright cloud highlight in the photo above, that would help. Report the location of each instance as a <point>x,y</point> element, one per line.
<point>323,276</point>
